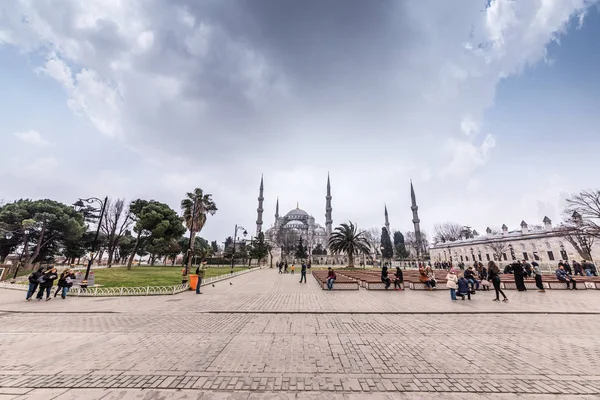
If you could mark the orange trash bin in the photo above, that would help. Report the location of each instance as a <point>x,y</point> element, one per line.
<point>193,281</point>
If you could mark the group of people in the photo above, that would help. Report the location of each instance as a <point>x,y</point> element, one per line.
<point>44,279</point>
<point>398,278</point>
<point>464,284</point>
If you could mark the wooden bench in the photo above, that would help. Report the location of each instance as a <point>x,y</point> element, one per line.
<point>341,282</point>
<point>369,279</point>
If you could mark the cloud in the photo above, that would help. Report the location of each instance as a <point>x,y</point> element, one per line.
<point>33,138</point>
<point>213,94</point>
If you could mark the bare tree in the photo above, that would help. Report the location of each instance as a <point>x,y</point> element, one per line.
<point>373,237</point>
<point>117,220</point>
<point>578,233</point>
<point>447,232</point>
<point>498,248</point>
<point>587,205</point>
<point>287,240</point>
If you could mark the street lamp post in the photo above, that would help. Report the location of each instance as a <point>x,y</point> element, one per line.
<point>237,228</point>
<point>80,206</point>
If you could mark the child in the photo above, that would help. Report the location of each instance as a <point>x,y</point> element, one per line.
<point>463,288</point>
<point>293,268</point>
<point>452,283</point>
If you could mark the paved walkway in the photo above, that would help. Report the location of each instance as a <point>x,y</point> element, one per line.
<point>266,336</point>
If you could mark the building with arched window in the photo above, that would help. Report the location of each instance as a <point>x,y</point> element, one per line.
<point>545,244</point>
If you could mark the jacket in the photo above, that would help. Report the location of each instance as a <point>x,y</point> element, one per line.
<point>562,275</point>
<point>469,274</point>
<point>493,273</point>
<point>49,278</point>
<point>423,277</point>
<point>463,286</point>
<point>331,274</point>
<point>399,275</point>
<point>452,281</point>
<point>33,278</point>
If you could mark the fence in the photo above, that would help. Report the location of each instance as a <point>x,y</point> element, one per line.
<point>99,291</point>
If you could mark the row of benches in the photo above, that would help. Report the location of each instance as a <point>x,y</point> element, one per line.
<point>371,280</point>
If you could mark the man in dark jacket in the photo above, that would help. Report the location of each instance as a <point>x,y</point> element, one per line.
<point>561,275</point>
<point>568,268</point>
<point>303,272</point>
<point>470,277</point>
<point>34,281</point>
<point>577,268</point>
<point>46,284</point>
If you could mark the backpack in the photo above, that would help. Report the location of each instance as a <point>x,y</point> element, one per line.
<point>41,279</point>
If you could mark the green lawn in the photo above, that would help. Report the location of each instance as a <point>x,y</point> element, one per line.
<point>150,276</point>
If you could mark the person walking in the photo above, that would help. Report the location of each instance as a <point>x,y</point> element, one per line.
<point>293,269</point>
<point>303,272</point>
<point>34,281</point>
<point>537,272</point>
<point>330,278</point>
<point>519,274</point>
<point>200,270</point>
<point>452,283</point>
<point>280,267</point>
<point>61,282</point>
<point>285,268</point>
<point>46,285</point>
<point>398,279</point>
<point>494,277</point>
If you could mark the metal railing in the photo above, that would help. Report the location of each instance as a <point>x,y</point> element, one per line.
<point>99,291</point>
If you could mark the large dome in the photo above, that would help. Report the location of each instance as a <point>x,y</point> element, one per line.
<point>297,213</point>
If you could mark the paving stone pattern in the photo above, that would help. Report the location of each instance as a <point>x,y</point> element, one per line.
<point>183,350</point>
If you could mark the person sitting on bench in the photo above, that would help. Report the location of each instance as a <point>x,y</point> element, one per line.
<point>384,277</point>
<point>470,277</point>
<point>562,276</point>
<point>330,278</point>
<point>398,279</point>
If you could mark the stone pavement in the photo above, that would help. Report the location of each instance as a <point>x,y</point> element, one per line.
<point>266,336</point>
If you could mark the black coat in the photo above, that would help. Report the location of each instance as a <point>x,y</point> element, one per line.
<point>49,278</point>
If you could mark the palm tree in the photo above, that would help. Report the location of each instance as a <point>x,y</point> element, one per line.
<point>346,239</point>
<point>195,208</point>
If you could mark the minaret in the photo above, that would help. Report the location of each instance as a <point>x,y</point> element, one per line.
<point>328,209</point>
<point>259,210</point>
<point>416,219</point>
<point>277,211</point>
<point>387,221</point>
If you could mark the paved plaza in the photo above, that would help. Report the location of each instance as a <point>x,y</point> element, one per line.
<point>265,336</point>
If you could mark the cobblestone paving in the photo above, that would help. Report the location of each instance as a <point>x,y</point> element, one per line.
<point>174,349</point>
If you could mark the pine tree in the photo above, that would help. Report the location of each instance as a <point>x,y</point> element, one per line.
<point>387,250</point>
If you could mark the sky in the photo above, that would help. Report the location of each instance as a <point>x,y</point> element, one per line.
<point>489,106</point>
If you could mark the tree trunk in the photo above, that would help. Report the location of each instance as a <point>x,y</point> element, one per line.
<point>111,252</point>
<point>38,247</point>
<point>135,249</point>
<point>189,256</point>
<point>351,260</point>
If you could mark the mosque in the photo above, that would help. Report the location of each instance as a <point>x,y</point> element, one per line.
<point>299,223</point>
